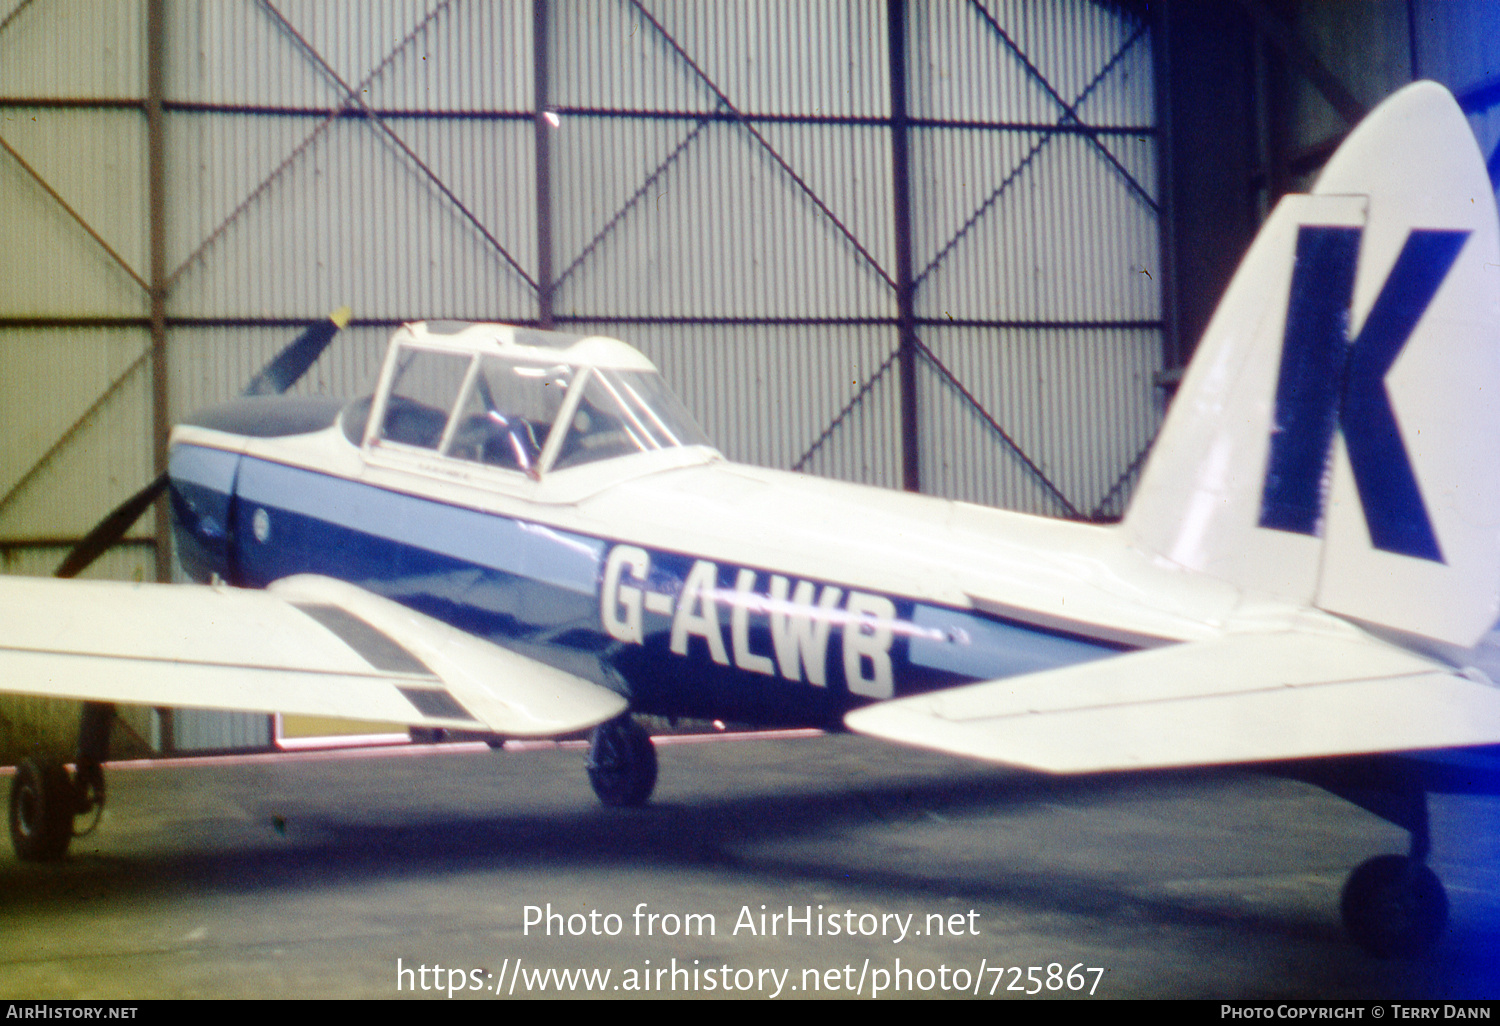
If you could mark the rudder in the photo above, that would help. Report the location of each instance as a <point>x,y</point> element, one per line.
<point>1336,440</point>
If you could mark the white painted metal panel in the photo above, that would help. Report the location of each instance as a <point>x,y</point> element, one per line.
<point>727,232</point>
<point>74,49</point>
<point>95,161</point>
<point>800,396</point>
<point>91,387</point>
<point>1070,400</point>
<point>352,220</point>
<point>824,58</point>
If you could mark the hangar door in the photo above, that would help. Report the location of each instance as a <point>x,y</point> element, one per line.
<point>911,244</point>
<point>807,212</point>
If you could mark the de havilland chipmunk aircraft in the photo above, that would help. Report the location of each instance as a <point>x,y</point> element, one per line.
<point>524,534</point>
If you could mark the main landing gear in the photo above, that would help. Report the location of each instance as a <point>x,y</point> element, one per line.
<point>622,763</point>
<point>45,797</point>
<point>1394,906</point>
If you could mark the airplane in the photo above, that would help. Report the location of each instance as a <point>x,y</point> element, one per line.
<point>523,533</point>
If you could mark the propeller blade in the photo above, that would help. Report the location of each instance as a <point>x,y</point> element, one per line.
<point>277,376</point>
<point>292,362</point>
<point>111,529</point>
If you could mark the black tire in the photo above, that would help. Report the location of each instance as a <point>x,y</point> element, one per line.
<point>622,763</point>
<point>1394,907</point>
<point>42,804</point>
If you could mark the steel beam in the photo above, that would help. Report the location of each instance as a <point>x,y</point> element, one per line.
<point>540,15</point>
<point>156,171</point>
<point>911,458</point>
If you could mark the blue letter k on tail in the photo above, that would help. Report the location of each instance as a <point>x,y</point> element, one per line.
<point>1327,381</point>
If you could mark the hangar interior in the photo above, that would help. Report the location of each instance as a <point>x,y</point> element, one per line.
<point>956,247</point>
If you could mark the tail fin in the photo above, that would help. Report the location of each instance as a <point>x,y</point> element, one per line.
<point>1336,441</point>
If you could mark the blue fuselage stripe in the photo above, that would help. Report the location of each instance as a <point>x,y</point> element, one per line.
<point>973,646</point>
<point>468,536</point>
<point>546,592</point>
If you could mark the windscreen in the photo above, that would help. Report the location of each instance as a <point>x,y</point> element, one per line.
<point>625,412</point>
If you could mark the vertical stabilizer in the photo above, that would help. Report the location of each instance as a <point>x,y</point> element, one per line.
<point>1336,441</point>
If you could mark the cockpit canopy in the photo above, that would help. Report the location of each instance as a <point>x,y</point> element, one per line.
<point>523,400</point>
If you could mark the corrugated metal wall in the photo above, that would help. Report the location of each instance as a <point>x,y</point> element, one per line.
<point>720,190</point>
<point>1036,232</point>
<point>75,387</point>
<point>793,208</point>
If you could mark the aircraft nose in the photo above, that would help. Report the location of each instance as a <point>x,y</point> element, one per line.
<point>202,489</point>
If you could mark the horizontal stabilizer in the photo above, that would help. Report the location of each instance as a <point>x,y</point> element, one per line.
<point>1242,698</point>
<point>308,645</point>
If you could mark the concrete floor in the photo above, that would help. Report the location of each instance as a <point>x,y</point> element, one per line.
<point>324,875</point>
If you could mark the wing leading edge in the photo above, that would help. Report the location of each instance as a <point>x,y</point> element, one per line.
<point>1240,698</point>
<point>307,645</point>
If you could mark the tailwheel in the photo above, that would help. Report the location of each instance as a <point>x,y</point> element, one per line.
<point>1394,907</point>
<point>622,763</point>
<point>42,804</point>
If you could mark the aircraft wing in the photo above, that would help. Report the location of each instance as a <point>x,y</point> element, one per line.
<point>1240,698</point>
<point>307,645</point>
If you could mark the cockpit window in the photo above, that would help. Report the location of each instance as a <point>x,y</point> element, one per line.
<point>508,412</point>
<point>523,412</point>
<point>624,412</point>
<point>423,390</point>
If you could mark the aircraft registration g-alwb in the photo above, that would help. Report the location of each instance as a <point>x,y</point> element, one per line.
<point>523,533</point>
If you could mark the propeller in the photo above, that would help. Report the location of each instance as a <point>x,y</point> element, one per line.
<point>276,377</point>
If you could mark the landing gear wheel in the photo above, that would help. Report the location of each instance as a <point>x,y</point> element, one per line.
<point>42,803</point>
<point>88,792</point>
<point>622,763</point>
<point>1394,907</point>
